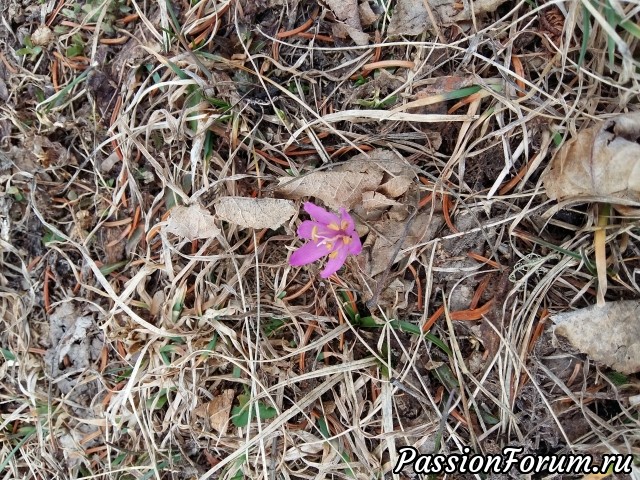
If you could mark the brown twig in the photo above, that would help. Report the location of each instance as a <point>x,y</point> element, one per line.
<point>315,36</point>
<point>445,212</point>
<point>302,28</point>
<point>55,12</point>
<point>389,64</point>
<point>519,70</point>
<point>45,290</point>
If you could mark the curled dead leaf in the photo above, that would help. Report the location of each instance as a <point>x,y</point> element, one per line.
<point>43,36</point>
<point>255,213</point>
<point>191,222</point>
<point>216,411</point>
<point>375,178</point>
<point>336,189</point>
<point>411,17</point>
<point>375,201</point>
<point>396,186</point>
<point>367,15</point>
<point>342,30</point>
<point>608,334</point>
<point>346,11</point>
<point>602,161</point>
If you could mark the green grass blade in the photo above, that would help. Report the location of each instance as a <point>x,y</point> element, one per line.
<point>586,31</point>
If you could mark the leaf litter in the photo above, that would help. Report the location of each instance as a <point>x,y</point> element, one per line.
<point>191,222</point>
<point>413,17</point>
<point>609,335</point>
<point>255,212</point>
<point>75,348</point>
<point>601,162</point>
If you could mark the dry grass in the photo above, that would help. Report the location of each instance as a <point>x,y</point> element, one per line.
<point>95,154</point>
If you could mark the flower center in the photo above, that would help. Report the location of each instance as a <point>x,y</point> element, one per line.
<point>330,242</point>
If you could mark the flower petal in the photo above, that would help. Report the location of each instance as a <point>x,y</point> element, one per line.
<point>308,253</point>
<point>320,214</point>
<point>345,217</point>
<point>355,246</point>
<point>306,228</point>
<point>334,264</point>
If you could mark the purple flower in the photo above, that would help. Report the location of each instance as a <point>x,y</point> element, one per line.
<point>328,234</point>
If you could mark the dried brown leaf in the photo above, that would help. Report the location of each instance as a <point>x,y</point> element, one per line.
<point>602,161</point>
<point>412,18</point>
<point>342,30</point>
<point>346,11</point>
<point>336,189</point>
<point>255,212</point>
<point>217,410</point>
<point>398,176</point>
<point>374,180</point>
<point>375,201</point>
<point>367,15</point>
<point>608,334</point>
<point>388,232</point>
<point>396,186</point>
<point>191,222</point>
<point>75,345</point>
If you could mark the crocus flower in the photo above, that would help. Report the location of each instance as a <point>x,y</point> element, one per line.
<point>328,234</point>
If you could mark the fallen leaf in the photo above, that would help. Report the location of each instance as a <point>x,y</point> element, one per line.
<point>217,410</point>
<point>343,188</point>
<point>254,212</point>
<point>608,334</point>
<point>396,186</point>
<point>412,18</point>
<point>75,346</point>
<point>191,222</point>
<point>602,161</point>
<point>342,30</point>
<point>371,180</point>
<point>304,445</point>
<point>367,15</point>
<point>43,36</point>
<point>346,11</point>
<point>375,201</point>
<point>389,232</point>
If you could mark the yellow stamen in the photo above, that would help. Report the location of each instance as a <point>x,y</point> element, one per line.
<point>333,254</point>
<point>346,240</point>
<point>314,233</point>
<point>344,225</point>
<point>333,226</point>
